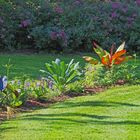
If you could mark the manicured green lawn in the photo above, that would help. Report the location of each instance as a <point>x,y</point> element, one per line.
<point>111,115</point>
<point>31,64</point>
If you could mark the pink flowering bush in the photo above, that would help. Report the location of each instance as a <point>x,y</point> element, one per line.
<point>50,38</point>
<point>69,25</point>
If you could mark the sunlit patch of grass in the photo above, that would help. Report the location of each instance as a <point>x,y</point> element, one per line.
<point>111,115</point>
<point>31,64</point>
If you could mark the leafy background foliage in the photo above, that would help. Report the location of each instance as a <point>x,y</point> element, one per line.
<point>68,25</point>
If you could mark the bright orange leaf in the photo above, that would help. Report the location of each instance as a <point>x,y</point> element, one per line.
<point>109,59</point>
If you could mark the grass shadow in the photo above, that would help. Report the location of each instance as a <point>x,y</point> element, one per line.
<point>70,118</point>
<point>69,115</point>
<point>95,104</point>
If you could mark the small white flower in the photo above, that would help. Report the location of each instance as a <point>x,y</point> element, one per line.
<point>5,82</point>
<point>19,90</point>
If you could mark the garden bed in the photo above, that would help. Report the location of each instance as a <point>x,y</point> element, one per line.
<point>32,105</point>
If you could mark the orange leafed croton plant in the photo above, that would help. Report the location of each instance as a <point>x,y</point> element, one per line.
<point>106,58</point>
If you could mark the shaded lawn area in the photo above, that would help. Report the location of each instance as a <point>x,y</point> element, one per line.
<point>111,115</point>
<point>31,64</point>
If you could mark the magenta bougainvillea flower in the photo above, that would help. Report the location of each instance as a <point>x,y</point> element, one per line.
<point>130,19</point>
<point>62,34</point>
<point>125,9</point>
<point>138,2</point>
<point>114,15</point>
<point>53,35</point>
<point>134,15</point>
<point>59,10</point>
<point>25,23</point>
<point>116,5</point>
<point>58,35</point>
<point>77,2</point>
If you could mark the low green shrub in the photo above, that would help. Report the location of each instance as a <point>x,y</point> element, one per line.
<point>10,95</point>
<point>110,68</point>
<point>76,87</point>
<point>62,74</point>
<point>97,75</point>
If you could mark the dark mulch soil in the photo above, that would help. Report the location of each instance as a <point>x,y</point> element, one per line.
<point>31,105</point>
<point>94,90</point>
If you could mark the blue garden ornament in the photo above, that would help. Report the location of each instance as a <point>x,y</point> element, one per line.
<point>3,83</point>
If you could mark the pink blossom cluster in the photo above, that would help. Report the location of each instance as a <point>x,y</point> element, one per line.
<point>25,23</point>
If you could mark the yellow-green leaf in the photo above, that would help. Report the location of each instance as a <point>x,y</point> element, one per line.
<point>91,60</point>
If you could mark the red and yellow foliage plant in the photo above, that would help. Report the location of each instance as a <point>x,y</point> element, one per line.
<point>106,58</point>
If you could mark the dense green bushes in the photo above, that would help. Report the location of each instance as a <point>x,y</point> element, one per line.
<point>68,25</point>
